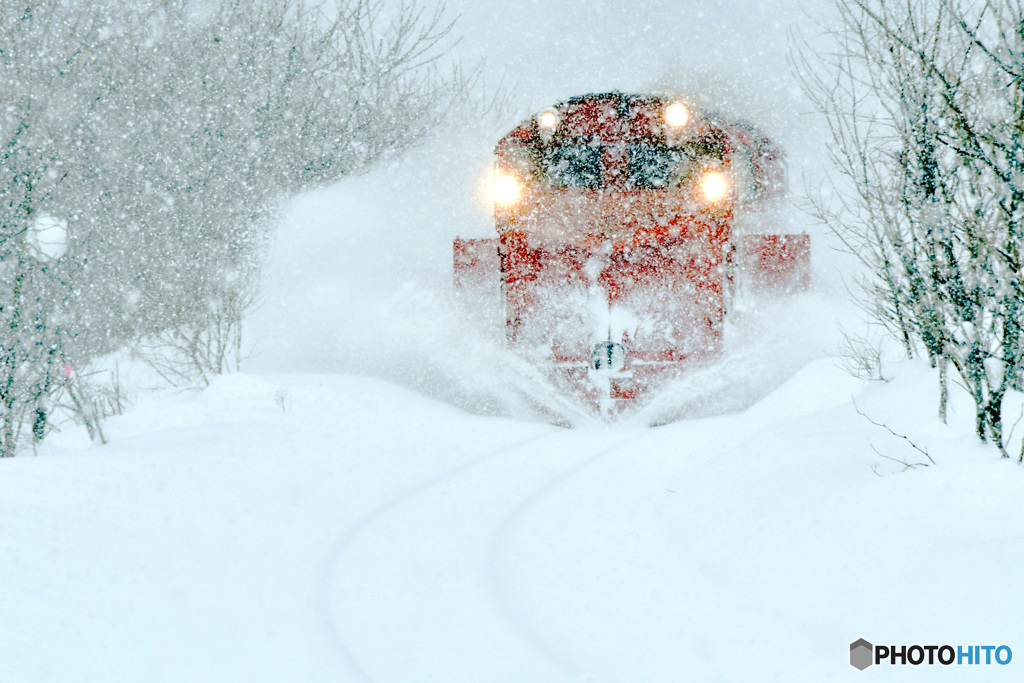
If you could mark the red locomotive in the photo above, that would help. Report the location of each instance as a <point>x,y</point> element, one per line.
<point>623,224</point>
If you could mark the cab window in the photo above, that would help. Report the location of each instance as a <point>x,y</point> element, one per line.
<point>571,165</point>
<point>653,167</point>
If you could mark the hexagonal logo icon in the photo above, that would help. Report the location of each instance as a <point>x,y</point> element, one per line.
<point>862,654</point>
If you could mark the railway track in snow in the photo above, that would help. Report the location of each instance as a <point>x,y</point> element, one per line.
<point>415,590</point>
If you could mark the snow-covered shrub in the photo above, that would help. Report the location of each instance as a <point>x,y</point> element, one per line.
<point>160,136</point>
<point>49,86</point>
<point>863,356</point>
<point>927,115</point>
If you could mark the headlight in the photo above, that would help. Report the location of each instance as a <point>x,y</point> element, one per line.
<point>676,114</point>
<point>547,120</point>
<point>714,185</point>
<point>507,189</point>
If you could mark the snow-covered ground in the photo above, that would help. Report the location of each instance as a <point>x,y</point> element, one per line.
<point>377,498</point>
<point>331,527</point>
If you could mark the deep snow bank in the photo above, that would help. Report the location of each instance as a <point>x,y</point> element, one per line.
<point>329,527</point>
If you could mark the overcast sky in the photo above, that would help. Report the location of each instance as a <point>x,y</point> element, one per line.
<point>556,49</point>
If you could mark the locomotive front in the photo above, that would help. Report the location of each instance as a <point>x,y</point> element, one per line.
<point>615,251</point>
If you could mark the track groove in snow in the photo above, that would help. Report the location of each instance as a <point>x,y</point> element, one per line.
<point>385,555</point>
<point>367,521</point>
<point>496,549</point>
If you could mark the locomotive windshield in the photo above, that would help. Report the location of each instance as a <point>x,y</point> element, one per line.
<point>652,167</point>
<point>641,165</point>
<point>571,165</point>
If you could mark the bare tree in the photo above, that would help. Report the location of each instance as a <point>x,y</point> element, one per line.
<point>225,112</point>
<point>49,90</point>
<point>925,109</point>
<point>165,134</point>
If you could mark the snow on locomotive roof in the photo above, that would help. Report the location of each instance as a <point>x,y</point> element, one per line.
<point>616,116</point>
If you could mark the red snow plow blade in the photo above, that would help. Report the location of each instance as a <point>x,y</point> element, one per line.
<point>776,264</point>
<point>617,251</point>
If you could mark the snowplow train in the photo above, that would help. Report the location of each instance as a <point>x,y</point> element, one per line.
<point>625,224</point>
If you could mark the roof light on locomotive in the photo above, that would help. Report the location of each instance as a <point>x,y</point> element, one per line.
<point>676,115</point>
<point>548,119</point>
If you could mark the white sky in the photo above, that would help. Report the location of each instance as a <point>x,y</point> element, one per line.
<point>548,51</point>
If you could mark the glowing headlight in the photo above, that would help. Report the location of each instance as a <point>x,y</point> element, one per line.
<point>506,189</point>
<point>714,185</point>
<point>548,120</point>
<point>676,114</point>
